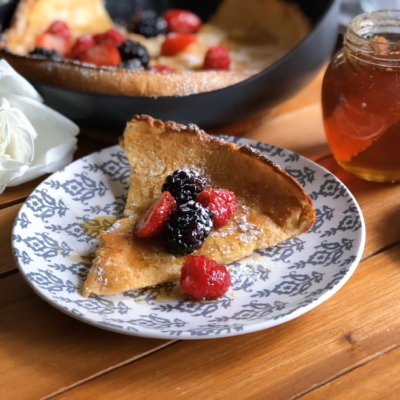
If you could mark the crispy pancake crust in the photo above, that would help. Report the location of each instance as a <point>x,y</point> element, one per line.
<point>271,32</point>
<point>119,81</point>
<point>271,205</point>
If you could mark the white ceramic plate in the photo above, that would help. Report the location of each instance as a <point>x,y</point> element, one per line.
<point>273,286</point>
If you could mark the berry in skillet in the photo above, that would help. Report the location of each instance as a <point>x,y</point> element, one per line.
<point>130,50</point>
<point>113,36</point>
<point>175,43</point>
<point>60,28</point>
<point>182,21</point>
<point>45,53</point>
<point>81,45</point>
<point>148,24</point>
<point>53,42</point>
<point>102,55</point>
<point>217,57</point>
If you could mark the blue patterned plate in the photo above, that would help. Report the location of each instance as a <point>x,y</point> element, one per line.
<point>273,286</point>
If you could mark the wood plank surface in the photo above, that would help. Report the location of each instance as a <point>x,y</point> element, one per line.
<point>16,194</point>
<point>297,124</point>
<point>357,324</point>
<point>348,347</point>
<point>42,350</point>
<point>7,217</point>
<point>376,380</point>
<point>307,139</point>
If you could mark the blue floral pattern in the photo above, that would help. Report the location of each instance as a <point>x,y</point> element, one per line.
<point>272,286</point>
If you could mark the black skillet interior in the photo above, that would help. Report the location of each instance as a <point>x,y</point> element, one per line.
<point>236,103</point>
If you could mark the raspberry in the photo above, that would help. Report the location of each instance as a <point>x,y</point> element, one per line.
<point>81,45</point>
<point>184,185</point>
<point>182,21</point>
<point>187,228</point>
<point>174,43</point>
<point>102,54</point>
<point>148,24</point>
<point>112,36</point>
<point>220,202</point>
<point>154,220</point>
<point>204,279</point>
<point>60,28</point>
<point>217,57</point>
<point>43,52</point>
<point>53,42</point>
<point>130,49</point>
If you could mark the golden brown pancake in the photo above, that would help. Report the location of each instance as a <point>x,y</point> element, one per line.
<point>256,32</point>
<point>271,205</point>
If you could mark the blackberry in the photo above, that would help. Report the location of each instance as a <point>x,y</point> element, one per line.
<point>148,24</point>
<point>187,229</point>
<point>131,50</point>
<point>133,64</point>
<point>43,52</point>
<point>184,185</point>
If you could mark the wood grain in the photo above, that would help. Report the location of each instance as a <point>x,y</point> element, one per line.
<point>378,379</point>
<point>348,347</point>
<point>42,350</point>
<point>297,124</point>
<point>7,217</point>
<point>16,194</point>
<point>278,363</point>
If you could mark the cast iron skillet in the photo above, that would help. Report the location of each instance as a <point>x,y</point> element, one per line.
<point>222,107</point>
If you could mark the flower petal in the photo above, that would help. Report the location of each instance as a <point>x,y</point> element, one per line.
<point>10,169</point>
<point>21,133</point>
<point>4,135</point>
<point>54,129</point>
<point>56,141</point>
<point>12,82</point>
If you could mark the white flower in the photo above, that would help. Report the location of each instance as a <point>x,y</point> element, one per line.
<point>34,139</point>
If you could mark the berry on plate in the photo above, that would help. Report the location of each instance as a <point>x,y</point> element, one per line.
<point>153,221</point>
<point>112,36</point>
<point>187,228</point>
<point>184,185</point>
<point>148,24</point>
<point>182,21</point>
<point>204,279</point>
<point>60,28</point>
<point>221,202</point>
<point>175,43</point>
<point>81,45</point>
<point>102,54</point>
<point>53,42</point>
<point>217,57</point>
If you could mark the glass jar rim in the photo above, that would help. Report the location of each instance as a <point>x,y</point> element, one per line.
<point>372,19</point>
<point>365,38</point>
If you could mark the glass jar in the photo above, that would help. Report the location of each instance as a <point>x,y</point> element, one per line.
<point>361,98</point>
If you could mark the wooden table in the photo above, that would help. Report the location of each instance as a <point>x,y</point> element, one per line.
<point>347,348</point>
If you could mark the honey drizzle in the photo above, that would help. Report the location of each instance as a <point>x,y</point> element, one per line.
<point>96,226</point>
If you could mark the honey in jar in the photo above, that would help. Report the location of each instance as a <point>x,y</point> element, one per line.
<point>361,98</point>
